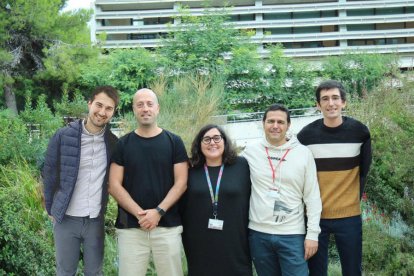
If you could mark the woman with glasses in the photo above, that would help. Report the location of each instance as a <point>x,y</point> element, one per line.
<point>215,207</point>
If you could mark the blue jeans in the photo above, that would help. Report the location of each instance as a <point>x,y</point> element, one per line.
<point>348,239</point>
<point>275,255</point>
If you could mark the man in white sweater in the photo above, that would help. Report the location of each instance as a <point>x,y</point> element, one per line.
<point>284,181</point>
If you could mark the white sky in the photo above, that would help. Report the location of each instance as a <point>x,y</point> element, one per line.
<point>77,4</point>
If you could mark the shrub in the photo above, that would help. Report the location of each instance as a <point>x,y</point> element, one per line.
<point>26,246</point>
<point>186,105</point>
<point>388,113</point>
<point>14,139</point>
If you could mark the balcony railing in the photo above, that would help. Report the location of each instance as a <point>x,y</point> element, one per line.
<point>328,21</point>
<point>252,9</point>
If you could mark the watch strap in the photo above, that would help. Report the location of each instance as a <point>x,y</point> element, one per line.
<point>160,211</point>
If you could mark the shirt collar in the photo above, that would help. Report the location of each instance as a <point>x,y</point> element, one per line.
<point>85,131</point>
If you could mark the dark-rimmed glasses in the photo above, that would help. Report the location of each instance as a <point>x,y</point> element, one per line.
<point>207,139</point>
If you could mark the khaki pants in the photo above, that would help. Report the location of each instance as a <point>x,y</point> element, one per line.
<point>135,246</point>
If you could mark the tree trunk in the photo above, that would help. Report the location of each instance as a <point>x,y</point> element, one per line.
<point>10,98</point>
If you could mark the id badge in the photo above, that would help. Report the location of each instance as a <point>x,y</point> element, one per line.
<point>273,193</point>
<point>215,224</point>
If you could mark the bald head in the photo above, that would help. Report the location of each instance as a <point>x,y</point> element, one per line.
<point>146,108</point>
<point>144,92</point>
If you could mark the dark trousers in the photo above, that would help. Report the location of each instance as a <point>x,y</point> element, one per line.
<point>348,239</point>
<point>73,233</point>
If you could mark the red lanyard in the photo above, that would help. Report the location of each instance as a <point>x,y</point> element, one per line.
<point>278,164</point>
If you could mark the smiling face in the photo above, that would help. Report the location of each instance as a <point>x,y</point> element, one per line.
<point>101,110</point>
<point>275,127</point>
<point>212,150</point>
<point>331,105</point>
<point>146,108</point>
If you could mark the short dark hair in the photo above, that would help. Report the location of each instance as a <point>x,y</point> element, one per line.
<point>330,84</point>
<point>276,107</point>
<point>110,91</point>
<point>197,157</point>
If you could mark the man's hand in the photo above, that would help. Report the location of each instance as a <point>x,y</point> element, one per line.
<point>310,248</point>
<point>148,219</point>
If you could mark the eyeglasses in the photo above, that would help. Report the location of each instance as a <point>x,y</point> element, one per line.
<point>334,98</point>
<point>207,139</point>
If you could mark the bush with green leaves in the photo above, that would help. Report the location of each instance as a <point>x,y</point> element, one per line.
<point>360,72</point>
<point>384,254</point>
<point>71,108</point>
<point>14,139</point>
<point>388,112</point>
<point>26,244</point>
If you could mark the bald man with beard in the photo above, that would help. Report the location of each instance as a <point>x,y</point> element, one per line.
<point>148,175</point>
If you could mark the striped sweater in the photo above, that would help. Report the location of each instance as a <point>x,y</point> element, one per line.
<point>343,157</point>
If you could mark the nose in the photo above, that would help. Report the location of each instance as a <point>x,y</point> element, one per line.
<point>275,125</point>
<point>145,107</point>
<point>102,112</point>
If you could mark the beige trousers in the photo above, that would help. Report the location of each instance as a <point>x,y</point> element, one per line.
<point>135,246</point>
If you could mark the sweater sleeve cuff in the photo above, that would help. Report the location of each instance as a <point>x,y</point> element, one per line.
<point>312,236</point>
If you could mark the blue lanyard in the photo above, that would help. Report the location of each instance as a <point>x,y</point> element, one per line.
<point>214,198</point>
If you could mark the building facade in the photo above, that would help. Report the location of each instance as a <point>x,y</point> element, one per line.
<point>307,29</point>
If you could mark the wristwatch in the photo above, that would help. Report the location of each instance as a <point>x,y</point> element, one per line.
<point>160,211</point>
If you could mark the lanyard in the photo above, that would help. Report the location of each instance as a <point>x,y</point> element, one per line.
<point>278,164</point>
<point>214,198</point>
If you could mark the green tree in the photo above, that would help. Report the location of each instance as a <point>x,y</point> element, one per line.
<point>246,84</point>
<point>126,69</point>
<point>32,31</point>
<point>199,43</point>
<point>359,72</point>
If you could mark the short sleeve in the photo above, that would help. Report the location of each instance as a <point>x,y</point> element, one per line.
<point>180,154</point>
<point>118,156</point>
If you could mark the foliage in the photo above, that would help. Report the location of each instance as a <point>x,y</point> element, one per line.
<point>44,46</point>
<point>390,119</point>
<point>199,96</point>
<point>385,255</point>
<point>14,137</point>
<point>359,72</point>
<point>245,84</point>
<point>298,92</point>
<point>126,69</point>
<point>198,44</point>
<point>40,118</point>
<point>26,246</point>
<point>75,108</point>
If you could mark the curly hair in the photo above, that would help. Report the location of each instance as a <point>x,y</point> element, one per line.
<point>197,157</point>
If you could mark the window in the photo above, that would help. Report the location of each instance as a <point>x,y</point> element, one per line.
<point>276,16</point>
<point>360,12</point>
<point>304,15</point>
<point>360,27</point>
<point>242,17</point>
<point>387,11</point>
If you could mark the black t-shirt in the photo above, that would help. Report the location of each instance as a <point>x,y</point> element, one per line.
<point>149,173</point>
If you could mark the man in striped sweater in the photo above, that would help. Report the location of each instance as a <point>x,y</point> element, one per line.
<point>341,147</point>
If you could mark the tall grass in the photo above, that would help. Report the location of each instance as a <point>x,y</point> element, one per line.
<point>186,104</point>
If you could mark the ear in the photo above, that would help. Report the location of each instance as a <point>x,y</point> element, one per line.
<point>318,106</point>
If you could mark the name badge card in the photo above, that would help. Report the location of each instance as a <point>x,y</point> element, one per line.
<point>215,224</point>
<point>273,193</point>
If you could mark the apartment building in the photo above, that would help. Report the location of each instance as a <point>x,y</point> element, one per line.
<point>306,28</point>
